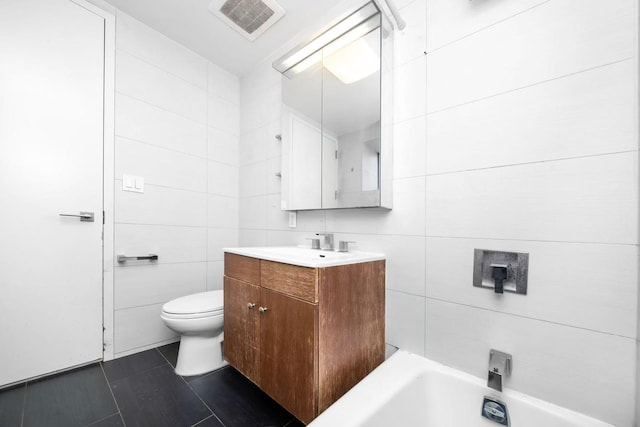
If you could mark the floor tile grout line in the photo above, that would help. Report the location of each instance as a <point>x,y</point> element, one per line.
<point>104,374</point>
<point>24,403</point>
<point>201,400</point>
<point>213,414</point>
<point>163,356</point>
<point>105,418</point>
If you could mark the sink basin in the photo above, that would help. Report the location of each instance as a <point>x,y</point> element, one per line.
<point>306,257</point>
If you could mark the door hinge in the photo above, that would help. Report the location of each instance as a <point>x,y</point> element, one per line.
<point>336,151</point>
<point>103,218</point>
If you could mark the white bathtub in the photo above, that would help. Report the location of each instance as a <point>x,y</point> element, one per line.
<point>409,390</point>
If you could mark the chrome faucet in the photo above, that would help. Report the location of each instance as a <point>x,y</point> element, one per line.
<point>499,367</point>
<point>328,241</point>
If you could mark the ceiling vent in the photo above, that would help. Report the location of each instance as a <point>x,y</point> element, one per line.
<point>250,18</point>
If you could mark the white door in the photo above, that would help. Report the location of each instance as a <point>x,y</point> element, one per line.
<point>51,163</point>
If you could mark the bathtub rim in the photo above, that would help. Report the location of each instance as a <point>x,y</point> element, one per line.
<point>401,369</point>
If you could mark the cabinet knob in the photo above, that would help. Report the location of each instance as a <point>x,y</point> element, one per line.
<point>262,309</point>
<point>250,306</point>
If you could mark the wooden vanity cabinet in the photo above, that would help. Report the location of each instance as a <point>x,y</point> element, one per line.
<point>304,335</point>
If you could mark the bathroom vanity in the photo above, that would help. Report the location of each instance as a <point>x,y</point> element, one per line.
<point>304,325</point>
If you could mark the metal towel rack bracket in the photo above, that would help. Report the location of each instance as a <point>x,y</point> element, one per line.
<point>150,257</point>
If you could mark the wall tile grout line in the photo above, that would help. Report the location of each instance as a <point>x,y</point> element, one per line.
<point>173,150</point>
<point>576,242</point>
<point>526,317</point>
<point>161,108</point>
<point>195,85</point>
<point>487,27</point>
<point>496,95</point>
<point>146,61</point>
<point>182,189</point>
<point>534,162</point>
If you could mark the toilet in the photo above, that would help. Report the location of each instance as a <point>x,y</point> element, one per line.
<point>198,318</point>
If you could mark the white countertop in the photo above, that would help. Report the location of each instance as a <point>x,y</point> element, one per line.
<point>306,257</point>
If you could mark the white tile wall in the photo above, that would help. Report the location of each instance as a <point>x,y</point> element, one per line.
<point>147,44</point>
<point>253,145</point>
<point>553,362</point>
<point>139,327</point>
<point>140,121</point>
<point>518,131</point>
<point>173,244</point>
<point>452,20</point>
<point>160,166</point>
<point>254,179</point>
<point>161,206</point>
<point>223,115</point>
<point>222,146</point>
<point>222,211</point>
<point>223,84</point>
<point>215,275</point>
<point>530,48</point>
<point>589,199</point>
<point>561,275</point>
<point>406,218</point>
<point>409,90</point>
<point>409,148</point>
<point>590,112</point>
<point>411,43</point>
<point>403,310</point>
<point>153,284</point>
<point>253,212</point>
<point>223,179</point>
<point>141,80</point>
<point>219,238</point>
<point>177,126</point>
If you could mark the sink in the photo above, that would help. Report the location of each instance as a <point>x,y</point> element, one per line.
<point>306,257</point>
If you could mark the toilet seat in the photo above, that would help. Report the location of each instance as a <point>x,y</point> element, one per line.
<point>203,304</point>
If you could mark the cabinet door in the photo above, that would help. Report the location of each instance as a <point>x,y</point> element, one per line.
<point>241,327</point>
<point>288,356</point>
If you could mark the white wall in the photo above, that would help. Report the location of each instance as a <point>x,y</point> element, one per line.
<point>517,131</point>
<point>177,125</point>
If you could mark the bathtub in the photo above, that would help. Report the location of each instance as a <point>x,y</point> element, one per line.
<point>409,390</point>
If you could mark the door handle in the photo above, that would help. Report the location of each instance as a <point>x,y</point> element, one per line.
<point>84,216</point>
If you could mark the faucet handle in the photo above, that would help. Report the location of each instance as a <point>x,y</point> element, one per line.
<point>328,240</point>
<point>315,243</point>
<point>343,245</point>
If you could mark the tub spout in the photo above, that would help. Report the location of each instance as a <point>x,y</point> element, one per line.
<point>499,367</point>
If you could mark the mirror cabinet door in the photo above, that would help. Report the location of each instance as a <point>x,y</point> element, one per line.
<point>302,151</point>
<point>351,121</point>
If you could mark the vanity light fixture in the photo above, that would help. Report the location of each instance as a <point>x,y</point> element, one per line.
<point>354,26</point>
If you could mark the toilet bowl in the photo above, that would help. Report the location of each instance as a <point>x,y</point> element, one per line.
<point>198,318</point>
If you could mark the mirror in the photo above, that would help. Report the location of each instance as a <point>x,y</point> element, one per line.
<point>335,137</point>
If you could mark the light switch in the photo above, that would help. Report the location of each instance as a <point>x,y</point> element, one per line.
<point>132,183</point>
<point>293,219</point>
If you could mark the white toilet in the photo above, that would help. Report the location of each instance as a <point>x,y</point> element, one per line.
<point>198,318</point>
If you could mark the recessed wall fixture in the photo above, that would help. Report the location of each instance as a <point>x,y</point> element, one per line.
<point>250,18</point>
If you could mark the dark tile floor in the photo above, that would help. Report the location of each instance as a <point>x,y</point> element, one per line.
<point>141,390</point>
